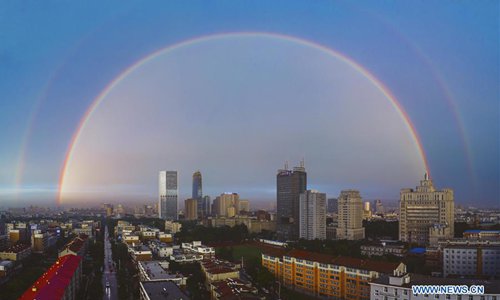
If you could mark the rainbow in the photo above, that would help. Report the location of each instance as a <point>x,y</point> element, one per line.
<point>96,102</point>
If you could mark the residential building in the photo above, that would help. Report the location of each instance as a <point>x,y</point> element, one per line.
<point>312,215</point>
<point>168,194</point>
<point>166,290</point>
<point>244,206</point>
<point>173,227</point>
<point>77,246</point>
<point>399,286</point>
<point>227,205</point>
<point>61,281</point>
<point>478,258</point>
<point>327,276</point>
<point>350,216</point>
<point>383,248</point>
<point>191,209</point>
<point>197,247</point>
<point>367,213</point>
<point>16,252</point>
<point>289,185</point>
<point>422,208</point>
<point>217,270</point>
<point>158,271</point>
<point>481,234</point>
<point>332,205</point>
<point>254,225</point>
<point>233,288</point>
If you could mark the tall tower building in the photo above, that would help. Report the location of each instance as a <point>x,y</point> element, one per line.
<point>379,208</point>
<point>312,215</point>
<point>423,209</point>
<point>227,205</point>
<point>198,194</point>
<point>289,185</point>
<point>350,216</point>
<point>207,205</point>
<point>168,194</point>
<point>191,209</point>
<point>332,205</point>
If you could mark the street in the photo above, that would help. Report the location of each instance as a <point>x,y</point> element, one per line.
<point>109,282</point>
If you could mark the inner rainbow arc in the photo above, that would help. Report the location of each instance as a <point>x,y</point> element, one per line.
<point>101,96</point>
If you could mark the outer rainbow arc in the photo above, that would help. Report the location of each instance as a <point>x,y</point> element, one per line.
<point>95,103</point>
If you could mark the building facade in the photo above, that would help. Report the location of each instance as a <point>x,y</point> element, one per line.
<point>197,194</point>
<point>327,276</point>
<point>423,208</point>
<point>350,216</point>
<point>191,209</point>
<point>289,185</point>
<point>471,258</point>
<point>168,195</point>
<point>312,215</point>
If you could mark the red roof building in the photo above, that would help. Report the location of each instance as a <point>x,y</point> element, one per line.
<point>60,281</point>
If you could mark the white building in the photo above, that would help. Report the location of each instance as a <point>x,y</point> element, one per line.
<point>168,195</point>
<point>198,248</point>
<point>399,286</point>
<point>471,258</point>
<point>312,215</point>
<point>173,227</point>
<point>350,216</point>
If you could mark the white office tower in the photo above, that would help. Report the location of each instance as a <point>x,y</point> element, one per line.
<point>312,215</point>
<point>168,195</point>
<point>350,216</point>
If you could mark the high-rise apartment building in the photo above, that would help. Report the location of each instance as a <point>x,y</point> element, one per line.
<point>332,205</point>
<point>191,209</point>
<point>350,216</point>
<point>198,194</point>
<point>226,205</point>
<point>379,208</point>
<point>289,185</point>
<point>424,208</point>
<point>312,215</point>
<point>244,206</point>
<point>168,194</point>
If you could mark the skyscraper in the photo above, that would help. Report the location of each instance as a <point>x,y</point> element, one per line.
<point>198,194</point>
<point>191,209</point>
<point>379,208</point>
<point>168,193</point>
<point>332,205</point>
<point>226,205</point>
<point>289,185</point>
<point>312,215</point>
<point>423,209</point>
<point>350,220</point>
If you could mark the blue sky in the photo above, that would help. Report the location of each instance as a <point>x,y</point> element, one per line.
<point>439,58</point>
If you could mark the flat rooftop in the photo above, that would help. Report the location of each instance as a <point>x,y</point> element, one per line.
<point>166,290</point>
<point>155,271</point>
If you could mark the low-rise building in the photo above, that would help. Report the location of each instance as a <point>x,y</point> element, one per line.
<point>61,281</point>
<point>198,248</point>
<point>172,226</point>
<point>158,271</point>
<point>166,290</point>
<point>6,268</point>
<point>253,224</point>
<point>131,239</point>
<point>77,246</point>
<point>217,270</point>
<point>140,253</point>
<point>16,252</point>
<point>161,249</point>
<point>383,248</point>
<point>165,237</point>
<point>325,275</point>
<point>481,234</point>
<point>471,258</point>
<point>399,286</point>
<point>233,288</point>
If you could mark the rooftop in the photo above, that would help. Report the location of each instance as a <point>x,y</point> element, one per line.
<point>17,248</point>
<point>163,290</point>
<point>52,284</point>
<point>155,271</point>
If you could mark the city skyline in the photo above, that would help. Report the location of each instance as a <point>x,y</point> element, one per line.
<point>92,111</point>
